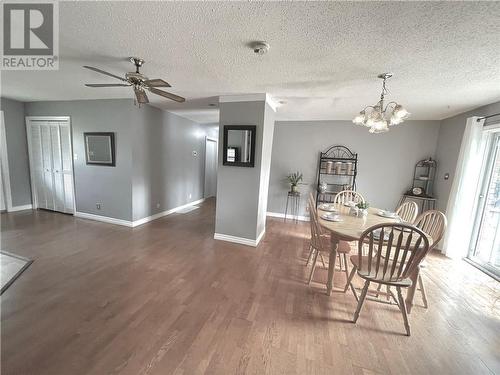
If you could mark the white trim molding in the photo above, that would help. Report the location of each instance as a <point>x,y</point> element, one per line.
<point>104,219</point>
<point>20,208</point>
<point>261,97</point>
<point>136,223</point>
<point>239,240</point>
<point>291,217</point>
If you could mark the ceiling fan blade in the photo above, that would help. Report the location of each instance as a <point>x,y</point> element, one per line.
<point>103,72</point>
<point>168,95</point>
<point>156,82</point>
<point>106,85</point>
<point>141,96</point>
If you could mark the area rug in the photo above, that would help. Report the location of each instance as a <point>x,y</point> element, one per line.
<point>11,267</point>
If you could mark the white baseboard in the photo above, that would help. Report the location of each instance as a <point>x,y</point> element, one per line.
<point>164,213</point>
<point>240,240</point>
<point>133,224</point>
<point>104,219</point>
<point>288,217</point>
<point>20,208</point>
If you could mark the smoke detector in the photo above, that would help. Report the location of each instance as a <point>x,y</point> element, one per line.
<point>260,48</point>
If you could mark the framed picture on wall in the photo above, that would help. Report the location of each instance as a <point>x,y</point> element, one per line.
<point>100,148</point>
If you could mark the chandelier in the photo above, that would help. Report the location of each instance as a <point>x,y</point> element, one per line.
<point>378,118</point>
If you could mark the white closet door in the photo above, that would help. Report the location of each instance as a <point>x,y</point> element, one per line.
<point>51,164</point>
<point>48,175</point>
<point>36,166</point>
<point>58,192</point>
<point>67,166</point>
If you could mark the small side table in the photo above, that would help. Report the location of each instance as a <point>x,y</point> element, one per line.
<point>293,198</point>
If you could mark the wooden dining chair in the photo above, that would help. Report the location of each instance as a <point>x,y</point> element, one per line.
<point>348,195</point>
<point>320,242</point>
<point>433,223</point>
<point>408,211</point>
<point>394,252</point>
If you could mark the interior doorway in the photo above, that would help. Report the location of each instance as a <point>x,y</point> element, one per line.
<point>211,159</point>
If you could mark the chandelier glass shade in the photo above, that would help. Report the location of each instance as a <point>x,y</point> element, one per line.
<point>381,116</point>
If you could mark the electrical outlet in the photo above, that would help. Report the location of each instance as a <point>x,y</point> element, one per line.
<point>98,206</point>
<point>189,197</point>
<point>157,205</point>
<point>195,153</point>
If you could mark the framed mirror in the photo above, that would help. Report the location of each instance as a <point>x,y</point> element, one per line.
<point>239,145</point>
<point>100,148</point>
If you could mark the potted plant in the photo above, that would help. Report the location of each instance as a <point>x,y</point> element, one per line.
<point>363,208</point>
<point>294,180</point>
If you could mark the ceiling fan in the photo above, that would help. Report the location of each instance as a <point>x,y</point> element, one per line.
<point>138,81</point>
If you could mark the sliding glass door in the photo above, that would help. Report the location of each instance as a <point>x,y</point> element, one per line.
<point>485,244</point>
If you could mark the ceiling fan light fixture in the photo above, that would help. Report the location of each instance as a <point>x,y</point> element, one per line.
<point>139,82</point>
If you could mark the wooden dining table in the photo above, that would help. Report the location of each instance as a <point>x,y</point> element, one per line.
<point>350,229</point>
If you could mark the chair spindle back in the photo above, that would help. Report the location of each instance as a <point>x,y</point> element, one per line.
<point>432,222</point>
<point>408,212</point>
<point>393,251</point>
<point>348,195</point>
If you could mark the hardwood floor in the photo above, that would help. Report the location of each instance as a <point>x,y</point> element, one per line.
<point>165,298</point>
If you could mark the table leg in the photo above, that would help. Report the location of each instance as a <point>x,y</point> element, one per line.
<point>411,290</point>
<point>331,264</point>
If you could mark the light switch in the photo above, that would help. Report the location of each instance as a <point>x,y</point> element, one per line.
<point>446,176</point>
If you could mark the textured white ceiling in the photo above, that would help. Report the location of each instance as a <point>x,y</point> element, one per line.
<point>323,61</point>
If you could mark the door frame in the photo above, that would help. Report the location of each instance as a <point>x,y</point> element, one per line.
<point>480,204</point>
<point>28,120</point>
<point>5,164</point>
<point>210,139</point>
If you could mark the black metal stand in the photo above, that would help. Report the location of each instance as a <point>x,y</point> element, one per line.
<point>293,197</point>
<point>338,168</point>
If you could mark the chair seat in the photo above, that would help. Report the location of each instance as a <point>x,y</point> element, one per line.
<point>372,276</point>
<point>343,248</point>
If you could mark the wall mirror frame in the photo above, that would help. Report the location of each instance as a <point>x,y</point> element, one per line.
<point>100,148</point>
<point>239,145</point>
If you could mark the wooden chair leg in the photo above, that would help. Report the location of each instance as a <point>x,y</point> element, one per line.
<point>346,268</point>
<point>378,290</point>
<point>322,260</point>
<point>311,253</point>
<point>315,259</point>
<point>388,290</point>
<point>361,300</point>
<point>422,290</point>
<point>349,279</point>
<point>402,307</point>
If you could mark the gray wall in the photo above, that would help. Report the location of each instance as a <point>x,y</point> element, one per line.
<point>109,186</point>
<point>165,170</point>
<point>238,188</point>
<point>17,151</point>
<point>154,161</point>
<point>385,161</point>
<point>448,147</point>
